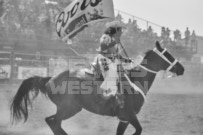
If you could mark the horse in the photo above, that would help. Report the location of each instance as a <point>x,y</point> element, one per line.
<point>72,91</point>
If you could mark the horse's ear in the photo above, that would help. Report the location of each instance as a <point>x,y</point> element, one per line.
<point>158,46</point>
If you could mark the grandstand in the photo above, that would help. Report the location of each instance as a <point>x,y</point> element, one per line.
<point>35,43</point>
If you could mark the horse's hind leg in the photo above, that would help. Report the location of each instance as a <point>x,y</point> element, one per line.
<point>63,113</point>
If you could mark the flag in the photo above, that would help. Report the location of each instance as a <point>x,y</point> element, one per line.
<point>80,13</point>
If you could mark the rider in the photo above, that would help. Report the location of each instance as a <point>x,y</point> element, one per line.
<point>110,57</point>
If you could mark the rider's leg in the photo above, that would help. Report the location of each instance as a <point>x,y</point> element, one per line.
<point>120,96</point>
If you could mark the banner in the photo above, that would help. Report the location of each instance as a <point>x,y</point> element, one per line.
<point>80,13</point>
<point>5,71</point>
<point>26,72</point>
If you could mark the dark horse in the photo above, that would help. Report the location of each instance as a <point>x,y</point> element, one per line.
<point>71,91</point>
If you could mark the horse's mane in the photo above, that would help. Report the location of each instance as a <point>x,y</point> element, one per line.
<point>147,52</point>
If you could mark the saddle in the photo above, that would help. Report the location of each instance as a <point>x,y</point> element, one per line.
<point>94,72</point>
<point>91,71</point>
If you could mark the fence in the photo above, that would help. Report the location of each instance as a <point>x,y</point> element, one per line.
<point>142,23</point>
<point>15,67</point>
<point>18,66</point>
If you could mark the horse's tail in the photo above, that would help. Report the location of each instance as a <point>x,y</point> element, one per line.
<point>28,90</point>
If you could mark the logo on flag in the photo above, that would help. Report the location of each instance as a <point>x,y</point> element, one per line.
<point>80,13</point>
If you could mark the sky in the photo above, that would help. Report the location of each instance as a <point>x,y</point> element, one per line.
<point>174,14</point>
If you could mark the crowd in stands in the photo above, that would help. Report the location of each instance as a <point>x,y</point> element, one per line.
<point>134,38</point>
<point>21,27</point>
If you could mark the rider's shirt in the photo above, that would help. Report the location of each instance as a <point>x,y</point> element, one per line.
<point>108,59</point>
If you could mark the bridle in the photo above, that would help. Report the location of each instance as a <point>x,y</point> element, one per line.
<point>161,54</point>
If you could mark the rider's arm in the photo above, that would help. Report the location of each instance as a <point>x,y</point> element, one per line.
<point>126,60</point>
<point>105,46</point>
<point>123,59</point>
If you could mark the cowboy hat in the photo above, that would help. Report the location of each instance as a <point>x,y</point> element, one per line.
<point>114,24</point>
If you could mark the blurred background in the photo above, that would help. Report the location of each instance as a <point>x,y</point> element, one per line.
<point>29,46</point>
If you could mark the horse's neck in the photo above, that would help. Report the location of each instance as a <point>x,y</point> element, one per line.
<point>147,80</point>
<point>150,76</point>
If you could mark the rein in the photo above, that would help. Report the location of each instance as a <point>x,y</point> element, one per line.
<point>147,69</point>
<point>137,89</point>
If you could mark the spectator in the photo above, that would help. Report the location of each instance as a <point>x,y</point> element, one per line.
<point>135,27</point>
<point>1,7</point>
<point>193,38</point>
<point>163,33</point>
<point>134,23</point>
<point>177,35</point>
<point>187,36</point>
<point>168,33</point>
<point>119,17</point>
<point>150,31</point>
<point>129,22</point>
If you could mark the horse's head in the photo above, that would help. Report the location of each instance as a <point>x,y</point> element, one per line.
<point>160,59</point>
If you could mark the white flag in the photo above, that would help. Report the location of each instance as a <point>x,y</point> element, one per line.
<point>80,13</point>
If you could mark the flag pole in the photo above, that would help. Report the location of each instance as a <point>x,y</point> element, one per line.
<point>124,50</point>
<point>121,97</point>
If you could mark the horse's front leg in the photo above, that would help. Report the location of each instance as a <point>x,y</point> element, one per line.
<point>136,124</point>
<point>121,128</point>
